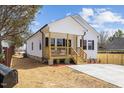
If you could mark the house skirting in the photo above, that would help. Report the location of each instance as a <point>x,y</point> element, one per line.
<point>35,57</point>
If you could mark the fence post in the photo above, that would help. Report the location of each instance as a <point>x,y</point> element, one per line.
<point>107,57</point>
<point>121,59</point>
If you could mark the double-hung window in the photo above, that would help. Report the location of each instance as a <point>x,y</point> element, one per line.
<point>61,42</point>
<point>90,44</point>
<point>52,41</point>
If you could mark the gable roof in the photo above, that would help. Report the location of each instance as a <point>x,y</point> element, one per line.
<point>116,44</point>
<point>77,18</point>
<point>83,23</point>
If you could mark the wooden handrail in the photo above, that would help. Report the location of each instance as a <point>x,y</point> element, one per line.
<point>75,53</point>
<point>82,53</point>
<point>59,47</point>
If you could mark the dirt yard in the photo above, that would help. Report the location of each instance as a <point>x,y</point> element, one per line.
<point>33,74</point>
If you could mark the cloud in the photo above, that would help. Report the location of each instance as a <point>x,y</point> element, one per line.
<point>86,13</point>
<point>100,18</point>
<point>68,14</point>
<point>108,17</point>
<point>100,10</point>
<point>35,25</point>
<point>101,15</point>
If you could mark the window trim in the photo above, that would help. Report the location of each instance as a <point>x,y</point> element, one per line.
<point>90,47</point>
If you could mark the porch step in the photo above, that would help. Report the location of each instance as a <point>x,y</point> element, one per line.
<point>44,60</point>
<point>79,61</point>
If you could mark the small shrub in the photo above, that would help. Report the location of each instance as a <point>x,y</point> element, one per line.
<point>2,57</point>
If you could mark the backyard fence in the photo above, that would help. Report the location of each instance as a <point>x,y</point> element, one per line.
<point>111,57</point>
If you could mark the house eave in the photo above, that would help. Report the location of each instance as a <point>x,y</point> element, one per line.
<point>38,31</point>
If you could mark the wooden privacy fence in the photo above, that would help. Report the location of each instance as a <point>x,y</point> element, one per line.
<point>111,57</point>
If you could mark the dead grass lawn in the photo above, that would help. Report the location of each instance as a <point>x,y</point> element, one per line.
<point>33,74</point>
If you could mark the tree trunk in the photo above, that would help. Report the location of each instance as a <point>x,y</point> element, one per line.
<point>0,46</point>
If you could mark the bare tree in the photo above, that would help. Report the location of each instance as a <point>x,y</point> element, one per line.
<point>15,20</point>
<point>117,34</point>
<point>102,39</point>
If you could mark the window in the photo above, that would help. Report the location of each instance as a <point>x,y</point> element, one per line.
<point>46,41</point>
<point>90,44</point>
<point>64,42</point>
<point>61,42</point>
<point>40,46</point>
<point>84,44</point>
<point>80,42</point>
<point>52,41</point>
<point>32,46</point>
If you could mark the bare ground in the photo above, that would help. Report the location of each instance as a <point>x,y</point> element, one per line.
<point>33,74</point>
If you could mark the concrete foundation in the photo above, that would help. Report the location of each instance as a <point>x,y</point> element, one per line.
<point>50,62</point>
<point>35,57</point>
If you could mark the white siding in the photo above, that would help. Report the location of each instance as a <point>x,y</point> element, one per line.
<point>66,25</point>
<point>91,36</point>
<point>36,39</point>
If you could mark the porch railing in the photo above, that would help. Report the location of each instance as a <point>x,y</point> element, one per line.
<point>58,51</point>
<point>74,55</point>
<point>61,51</point>
<point>81,53</point>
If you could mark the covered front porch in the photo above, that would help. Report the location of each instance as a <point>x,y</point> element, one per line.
<point>57,46</point>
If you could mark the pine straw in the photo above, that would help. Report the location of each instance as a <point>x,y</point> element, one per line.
<point>33,74</point>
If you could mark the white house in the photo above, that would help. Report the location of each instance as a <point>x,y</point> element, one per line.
<point>68,39</point>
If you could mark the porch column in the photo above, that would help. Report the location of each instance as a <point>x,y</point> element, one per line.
<point>67,60</point>
<point>67,45</point>
<point>50,60</point>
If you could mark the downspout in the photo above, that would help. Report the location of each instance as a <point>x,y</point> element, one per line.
<point>42,44</point>
<point>83,38</point>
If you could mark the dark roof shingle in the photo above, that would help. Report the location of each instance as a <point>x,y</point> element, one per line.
<point>116,44</point>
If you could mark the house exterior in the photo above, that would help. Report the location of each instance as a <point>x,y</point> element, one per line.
<point>70,38</point>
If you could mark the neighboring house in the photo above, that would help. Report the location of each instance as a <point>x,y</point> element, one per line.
<point>5,44</point>
<point>116,44</point>
<point>70,38</point>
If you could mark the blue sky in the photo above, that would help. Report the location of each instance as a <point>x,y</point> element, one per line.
<point>102,18</point>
